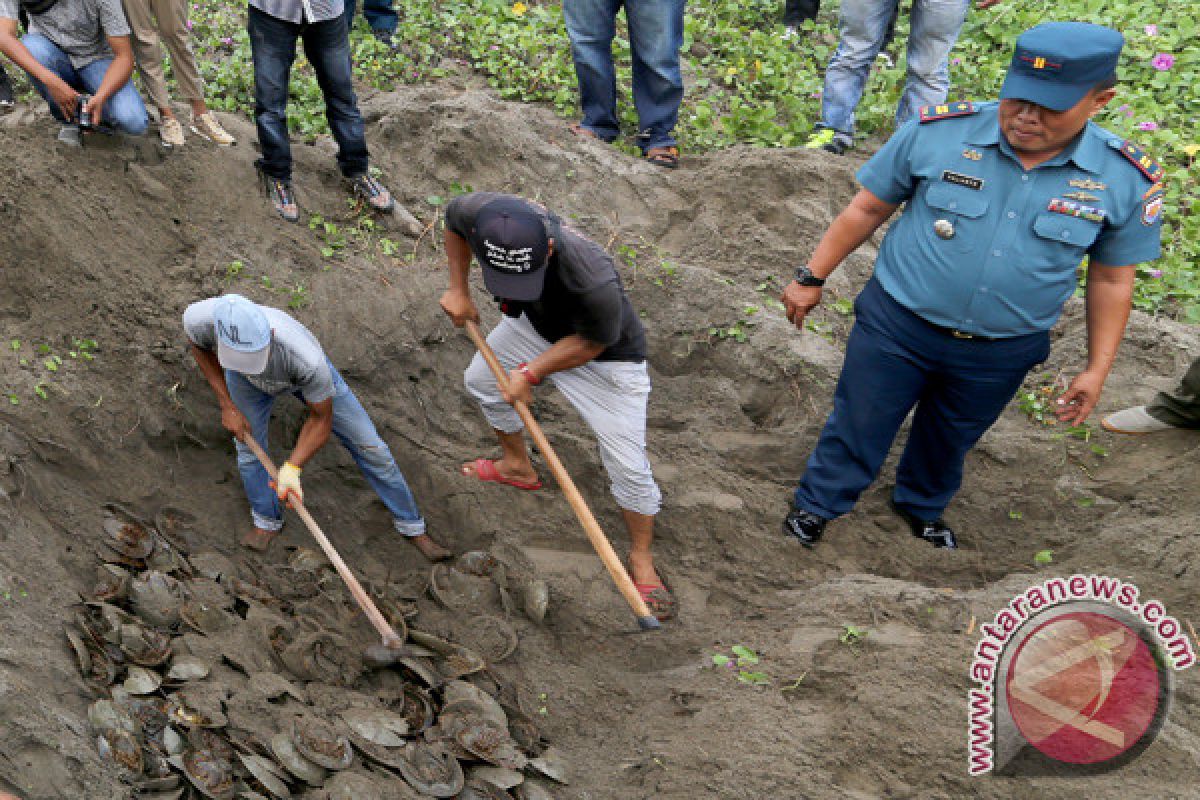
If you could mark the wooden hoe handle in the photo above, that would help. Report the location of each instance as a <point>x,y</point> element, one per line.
<point>380,623</point>
<point>603,547</point>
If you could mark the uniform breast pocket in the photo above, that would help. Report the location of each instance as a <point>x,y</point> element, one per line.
<point>964,208</point>
<point>1073,235</point>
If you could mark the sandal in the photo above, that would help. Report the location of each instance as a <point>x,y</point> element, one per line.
<point>667,157</point>
<point>485,470</point>
<point>578,129</point>
<point>658,599</point>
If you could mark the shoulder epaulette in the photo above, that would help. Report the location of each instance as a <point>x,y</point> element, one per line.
<point>1145,164</point>
<point>946,111</point>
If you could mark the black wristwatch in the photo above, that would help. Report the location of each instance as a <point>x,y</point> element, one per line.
<point>804,277</point>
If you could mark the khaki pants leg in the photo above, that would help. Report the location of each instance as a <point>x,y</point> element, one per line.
<point>146,50</point>
<point>172,18</point>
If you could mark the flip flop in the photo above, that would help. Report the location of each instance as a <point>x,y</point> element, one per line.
<point>658,599</point>
<point>485,470</point>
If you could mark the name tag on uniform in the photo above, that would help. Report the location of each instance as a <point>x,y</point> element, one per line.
<point>1072,209</point>
<point>959,179</point>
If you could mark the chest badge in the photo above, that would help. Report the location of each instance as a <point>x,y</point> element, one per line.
<point>1082,197</point>
<point>1088,184</point>
<point>1073,209</point>
<point>959,179</point>
<point>972,155</point>
<point>944,229</point>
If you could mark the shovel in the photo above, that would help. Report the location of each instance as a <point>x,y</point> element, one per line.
<point>393,645</point>
<point>646,620</point>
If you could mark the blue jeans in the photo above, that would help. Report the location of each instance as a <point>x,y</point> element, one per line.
<point>655,36</point>
<point>124,111</point>
<point>380,14</point>
<point>895,360</point>
<point>273,47</point>
<point>354,430</point>
<point>864,26</point>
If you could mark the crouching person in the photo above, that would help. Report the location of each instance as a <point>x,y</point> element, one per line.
<point>74,49</point>
<point>569,323</point>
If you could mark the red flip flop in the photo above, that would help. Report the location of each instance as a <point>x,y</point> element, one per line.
<point>485,470</point>
<point>658,598</point>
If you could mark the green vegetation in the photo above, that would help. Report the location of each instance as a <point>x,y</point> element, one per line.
<point>747,85</point>
<point>741,659</point>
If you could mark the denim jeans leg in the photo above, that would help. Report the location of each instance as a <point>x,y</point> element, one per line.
<point>591,26</point>
<point>125,110</point>
<point>935,28</point>
<point>655,36</point>
<point>273,49</point>
<point>327,46</point>
<point>50,56</point>
<point>357,433</point>
<point>864,26</point>
<point>381,15</point>
<point>348,15</point>
<point>256,408</point>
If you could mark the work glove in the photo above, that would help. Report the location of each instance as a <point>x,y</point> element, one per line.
<point>288,482</point>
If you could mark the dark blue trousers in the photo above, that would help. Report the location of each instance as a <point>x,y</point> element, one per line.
<point>896,360</point>
<point>380,14</point>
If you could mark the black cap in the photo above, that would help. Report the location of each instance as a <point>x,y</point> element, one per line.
<point>509,240</point>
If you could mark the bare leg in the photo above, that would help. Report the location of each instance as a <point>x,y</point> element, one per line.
<point>641,536</point>
<point>199,107</point>
<point>515,463</point>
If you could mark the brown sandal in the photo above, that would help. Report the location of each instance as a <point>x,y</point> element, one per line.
<point>578,129</point>
<point>667,157</point>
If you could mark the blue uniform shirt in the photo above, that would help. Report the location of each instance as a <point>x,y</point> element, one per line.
<point>1018,236</point>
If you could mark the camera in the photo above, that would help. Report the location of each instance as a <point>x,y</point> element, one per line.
<point>84,116</point>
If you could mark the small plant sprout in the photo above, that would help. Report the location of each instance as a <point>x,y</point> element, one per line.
<point>1043,557</point>
<point>740,659</point>
<point>852,636</point>
<point>1013,514</point>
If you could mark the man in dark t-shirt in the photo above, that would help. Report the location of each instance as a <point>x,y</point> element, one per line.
<point>568,321</point>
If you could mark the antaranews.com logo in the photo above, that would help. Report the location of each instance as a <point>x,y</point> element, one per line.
<point>1076,673</point>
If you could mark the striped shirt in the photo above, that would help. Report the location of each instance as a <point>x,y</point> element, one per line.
<point>299,11</point>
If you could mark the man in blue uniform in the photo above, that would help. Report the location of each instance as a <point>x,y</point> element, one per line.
<point>1004,200</point>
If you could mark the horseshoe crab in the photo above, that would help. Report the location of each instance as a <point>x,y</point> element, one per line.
<point>194,710</point>
<point>535,598</point>
<point>266,774</point>
<point>355,786</point>
<point>213,566</point>
<point>111,584</point>
<point>496,776</point>
<point>489,742</point>
<point>492,637</point>
<point>210,774</point>
<point>459,591</point>
<point>417,708</point>
<point>533,790</point>
<point>272,686</point>
<point>377,734</point>
<point>305,558</point>
<point>285,753</point>
<point>126,535</point>
<point>431,770</point>
<point>156,597</point>
<point>119,736</point>
<point>204,618</point>
<point>455,660</point>
<point>187,668</point>
<point>144,646</point>
<point>140,680</point>
<point>551,764</point>
<point>477,562</point>
<point>482,790</point>
<point>320,743</point>
<point>320,656</point>
<point>482,703</point>
<point>96,668</point>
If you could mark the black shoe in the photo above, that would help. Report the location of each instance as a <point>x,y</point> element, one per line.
<point>839,144</point>
<point>936,533</point>
<point>385,37</point>
<point>805,526</point>
<point>6,91</point>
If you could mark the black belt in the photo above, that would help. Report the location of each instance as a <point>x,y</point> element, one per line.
<point>957,334</point>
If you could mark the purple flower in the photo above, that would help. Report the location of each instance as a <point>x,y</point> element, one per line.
<point>1156,273</point>
<point>1148,126</point>
<point>188,24</point>
<point>226,40</point>
<point>1125,109</point>
<point>1151,30</point>
<point>956,61</point>
<point>1163,62</point>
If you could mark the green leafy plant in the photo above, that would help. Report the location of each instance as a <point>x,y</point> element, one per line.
<point>740,659</point>
<point>852,636</point>
<point>1043,557</point>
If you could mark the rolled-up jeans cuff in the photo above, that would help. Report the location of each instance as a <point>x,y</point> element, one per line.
<point>410,528</point>
<point>265,523</point>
